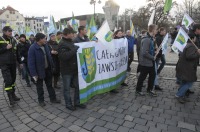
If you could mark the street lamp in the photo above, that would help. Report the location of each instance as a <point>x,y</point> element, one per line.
<point>93,2</point>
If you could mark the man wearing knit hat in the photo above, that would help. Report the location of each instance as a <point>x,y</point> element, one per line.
<point>8,63</point>
<point>22,56</point>
<point>41,66</point>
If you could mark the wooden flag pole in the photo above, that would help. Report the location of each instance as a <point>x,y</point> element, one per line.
<point>193,44</point>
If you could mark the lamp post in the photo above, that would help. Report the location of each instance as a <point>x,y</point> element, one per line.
<point>93,2</point>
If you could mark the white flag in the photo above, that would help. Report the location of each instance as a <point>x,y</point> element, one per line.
<point>164,44</point>
<point>187,21</point>
<point>152,17</point>
<point>181,40</point>
<point>104,34</point>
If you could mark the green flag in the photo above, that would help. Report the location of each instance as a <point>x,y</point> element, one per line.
<point>168,6</point>
<point>92,29</point>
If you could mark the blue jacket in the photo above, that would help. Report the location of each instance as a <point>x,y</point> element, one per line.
<point>131,42</point>
<point>36,60</point>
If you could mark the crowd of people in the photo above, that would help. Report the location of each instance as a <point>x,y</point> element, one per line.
<point>39,60</point>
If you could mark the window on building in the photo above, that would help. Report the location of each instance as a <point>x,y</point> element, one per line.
<point>34,27</point>
<point>40,25</point>
<point>40,29</point>
<point>34,22</point>
<point>13,12</point>
<point>10,12</point>
<point>7,16</point>
<point>37,25</point>
<point>17,17</point>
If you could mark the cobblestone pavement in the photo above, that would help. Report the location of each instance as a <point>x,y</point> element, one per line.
<point>122,112</point>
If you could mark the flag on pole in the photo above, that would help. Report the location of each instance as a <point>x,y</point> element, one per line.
<point>92,30</point>
<point>52,28</point>
<point>187,20</point>
<point>60,27</point>
<point>74,23</point>
<point>152,17</point>
<point>181,40</point>
<point>132,30</point>
<point>104,34</point>
<point>28,31</point>
<point>164,44</point>
<point>167,6</point>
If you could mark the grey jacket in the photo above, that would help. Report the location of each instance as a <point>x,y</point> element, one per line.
<point>146,58</point>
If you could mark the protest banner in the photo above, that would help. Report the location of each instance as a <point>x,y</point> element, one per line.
<point>101,69</point>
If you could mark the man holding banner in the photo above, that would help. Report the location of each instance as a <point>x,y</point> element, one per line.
<point>69,69</point>
<point>147,62</point>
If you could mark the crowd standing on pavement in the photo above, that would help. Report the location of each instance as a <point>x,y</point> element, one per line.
<point>39,60</point>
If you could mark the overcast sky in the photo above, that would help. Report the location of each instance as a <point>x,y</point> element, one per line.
<point>63,8</point>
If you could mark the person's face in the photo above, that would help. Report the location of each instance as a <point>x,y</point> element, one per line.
<point>155,31</point>
<point>197,31</point>
<point>128,33</point>
<point>71,35</point>
<point>53,38</point>
<point>31,38</point>
<point>163,32</point>
<point>84,32</point>
<point>43,41</point>
<point>59,36</point>
<point>8,33</point>
<point>119,34</point>
<point>22,39</point>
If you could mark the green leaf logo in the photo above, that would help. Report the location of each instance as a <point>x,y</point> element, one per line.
<point>108,36</point>
<point>186,22</point>
<point>181,39</point>
<point>88,64</point>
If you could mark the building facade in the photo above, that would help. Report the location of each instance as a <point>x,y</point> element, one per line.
<point>10,16</point>
<point>35,23</point>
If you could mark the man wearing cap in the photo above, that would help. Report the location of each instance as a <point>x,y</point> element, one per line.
<point>8,63</point>
<point>41,66</point>
<point>22,56</point>
<point>53,47</point>
<point>69,69</point>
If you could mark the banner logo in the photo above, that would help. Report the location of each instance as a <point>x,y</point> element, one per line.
<point>88,64</point>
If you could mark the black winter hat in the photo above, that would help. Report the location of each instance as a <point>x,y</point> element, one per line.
<point>7,28</point>
<point>51,34</point>
<point>39,36</point>
<point>22,36</point>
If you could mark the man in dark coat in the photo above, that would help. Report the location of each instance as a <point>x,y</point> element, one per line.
<point>8,63</point>
<point>82,35</point>
<point>22,57</point>
<point>53,46</point>
<point>186,68</point>
<point>41,66</point>
<point>69,68</point>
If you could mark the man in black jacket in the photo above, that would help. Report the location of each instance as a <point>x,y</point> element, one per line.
<point>69,69</point>
<point>22,57</point>
<point>8,63</point>
<point>159,38</point>
<point>82,35</point>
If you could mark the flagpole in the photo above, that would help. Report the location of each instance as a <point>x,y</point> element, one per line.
<point>193,44</point>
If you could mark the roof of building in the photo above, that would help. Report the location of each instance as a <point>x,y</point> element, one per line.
<point>7,8</point>
<point>81,17</point>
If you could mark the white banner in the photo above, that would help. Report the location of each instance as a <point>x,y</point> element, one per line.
<point>100,68</point>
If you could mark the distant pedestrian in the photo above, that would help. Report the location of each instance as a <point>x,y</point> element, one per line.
<point>82,35</point>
